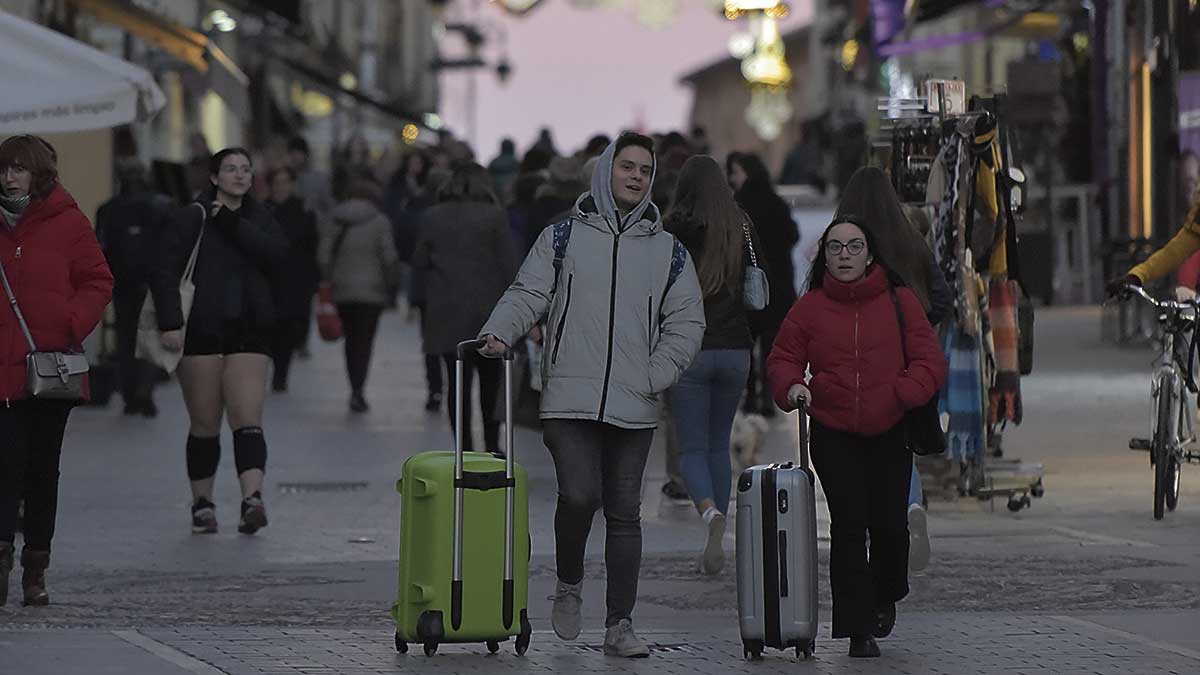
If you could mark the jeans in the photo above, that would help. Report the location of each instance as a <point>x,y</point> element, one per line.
<point>599,465</point>
<point>916,495</point>
<point>490,383</point>
<point>703,403</point>
<point>360,320</point>
<point>137,375</point>
<point>866,482</point>
<point>31,437</point>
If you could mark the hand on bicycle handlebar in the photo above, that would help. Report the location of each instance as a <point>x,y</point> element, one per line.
<point>1117,288</point>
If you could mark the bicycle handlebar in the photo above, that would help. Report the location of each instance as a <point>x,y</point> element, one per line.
<point>1162,304</point>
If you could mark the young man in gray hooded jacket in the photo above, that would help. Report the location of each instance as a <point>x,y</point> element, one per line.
<point>625,318</point>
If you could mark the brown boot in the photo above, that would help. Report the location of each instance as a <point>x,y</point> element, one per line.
<point>33,577</point>
<point>6,564</point>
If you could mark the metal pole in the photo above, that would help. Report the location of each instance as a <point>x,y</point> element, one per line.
<point>458,466</point>
<point>509,493</point>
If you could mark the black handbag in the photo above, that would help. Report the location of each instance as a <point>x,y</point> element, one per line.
<point>923,431</point>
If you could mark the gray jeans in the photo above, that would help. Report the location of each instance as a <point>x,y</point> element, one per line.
<point>599,465</point>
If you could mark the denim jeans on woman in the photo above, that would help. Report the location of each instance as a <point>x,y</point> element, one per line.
<point>703,403</point>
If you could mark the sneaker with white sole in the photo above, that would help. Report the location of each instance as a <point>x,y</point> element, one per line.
<point>918,538</point>
<point>713,558</point>
<point>620,640</point>
<point>565,617</point>
<point>204,517</point>
<point>254,514</point>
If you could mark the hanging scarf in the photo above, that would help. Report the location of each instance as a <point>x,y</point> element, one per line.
<point>962,397</point>
<point>1004,398</point>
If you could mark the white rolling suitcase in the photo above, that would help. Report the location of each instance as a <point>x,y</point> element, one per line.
<point>777,555</point>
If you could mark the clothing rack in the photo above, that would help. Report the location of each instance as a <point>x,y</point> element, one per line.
<point>973,236</point>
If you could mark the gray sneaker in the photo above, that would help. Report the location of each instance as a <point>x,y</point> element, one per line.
<point>918,538</point>
<point>713,558</point>
<point>619,640</point>
<point>565,617</point>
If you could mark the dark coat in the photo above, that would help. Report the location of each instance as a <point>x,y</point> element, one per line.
<point>848,336</point>
<point>464,260</point>
<point>727,325</point>
<point>240,257</point>
<point>779,235</point>
<point>297,280</point>
<point>60,279</point>
<point>129,227</point>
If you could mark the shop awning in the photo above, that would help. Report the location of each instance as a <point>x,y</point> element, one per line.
<point>55,84</point>
<point>192,47</point>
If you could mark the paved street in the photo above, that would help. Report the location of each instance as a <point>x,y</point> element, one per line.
<point>1083,582</point>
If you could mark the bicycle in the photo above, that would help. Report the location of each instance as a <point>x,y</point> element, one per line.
<point>1172,387</point>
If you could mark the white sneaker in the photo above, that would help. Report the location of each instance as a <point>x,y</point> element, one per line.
<point>918,538</point>
<point>713,558</point>
<point>620,640</point>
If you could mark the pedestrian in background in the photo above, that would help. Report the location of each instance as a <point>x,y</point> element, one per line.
<point>779,234</point>
<point>504,168</point>
<point>846,331</point>
<point>358,257</point>
<point>299,276</point>
<point>705,217</point>
<point>464,259</point>
<point>55,271</point>
<point>869,198</point>
<point>599,412</point>
<point>226,347</point>
<point>129,227</point>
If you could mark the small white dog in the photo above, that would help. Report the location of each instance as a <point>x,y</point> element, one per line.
<point>747,438</point>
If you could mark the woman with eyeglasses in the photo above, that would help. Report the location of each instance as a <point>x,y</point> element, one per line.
<point>846,332</point>
<point>229,332</point>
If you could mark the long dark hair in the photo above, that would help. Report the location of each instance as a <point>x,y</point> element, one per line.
<point>469,182</point>
<point>757,176</point>
<point>870,202</point>
<point>816,275</point>
<point>703,196</point>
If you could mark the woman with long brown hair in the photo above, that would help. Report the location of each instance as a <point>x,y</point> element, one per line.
<point>716,232</point>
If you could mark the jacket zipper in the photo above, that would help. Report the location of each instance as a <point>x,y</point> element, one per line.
<point>857,371</point>
<point>562,322</point>
<point>650,324</point>
<point>612,316</point>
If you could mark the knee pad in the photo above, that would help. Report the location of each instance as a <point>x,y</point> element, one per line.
<point>203,455</point>
<point>249,449</point>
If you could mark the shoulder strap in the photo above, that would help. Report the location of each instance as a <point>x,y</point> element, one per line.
<point>562,237</point>
<point>337,244</point>
<point>678,260</point>
<point>900,321</point>
<point>191,264</point>
<point>12,300</point>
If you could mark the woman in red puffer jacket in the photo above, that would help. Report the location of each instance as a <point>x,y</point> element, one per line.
<point>62,284</point>
<point>845,332</point>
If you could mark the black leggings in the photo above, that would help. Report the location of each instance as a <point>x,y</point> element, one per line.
<point>360,321</point>
<point>489,396</point>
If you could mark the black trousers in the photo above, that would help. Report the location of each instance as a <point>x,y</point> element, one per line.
<point>360,321</point>
<point>758,389</point>
<point>433,367</point>
<point>288,337</point>
<point>31,437</point>
<point>137,376</point>
<point>866,483</point>
<point>489,395</point>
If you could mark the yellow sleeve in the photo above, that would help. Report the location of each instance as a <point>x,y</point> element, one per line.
<point>1168,258</point>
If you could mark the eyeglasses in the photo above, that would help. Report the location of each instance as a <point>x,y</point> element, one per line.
<point>834,247</point>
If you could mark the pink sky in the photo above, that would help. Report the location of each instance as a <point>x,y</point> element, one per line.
<point>586,71</point>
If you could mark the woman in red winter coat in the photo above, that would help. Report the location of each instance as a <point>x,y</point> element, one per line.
<point>845,332</point>
<point>61,282</point>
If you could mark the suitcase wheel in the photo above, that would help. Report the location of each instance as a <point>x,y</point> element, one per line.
<point>493,646</point>
<point>752,650</point>
<point>401,645</point>
<point>806,652</point>
<point>430,648</point>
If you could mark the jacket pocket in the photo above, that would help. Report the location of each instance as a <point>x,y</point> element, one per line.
<point>650,325</point>
<point>562,321</point>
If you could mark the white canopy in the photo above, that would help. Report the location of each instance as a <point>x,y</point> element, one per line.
<point>52,83</point>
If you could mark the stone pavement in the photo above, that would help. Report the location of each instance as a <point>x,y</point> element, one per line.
<point>1084,581</point>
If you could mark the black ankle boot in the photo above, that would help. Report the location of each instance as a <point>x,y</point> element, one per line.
<point>885,616</point>
<point>6,565</point>
<point>864,648</point>
<point>33,577</point>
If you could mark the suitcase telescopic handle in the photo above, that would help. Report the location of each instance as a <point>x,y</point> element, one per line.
<point>802,414</point>
<point>456,591</point>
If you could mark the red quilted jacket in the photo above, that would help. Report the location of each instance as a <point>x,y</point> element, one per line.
<point>60,279</point>
<point>847,335</point>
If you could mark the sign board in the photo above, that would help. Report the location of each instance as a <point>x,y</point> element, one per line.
<point>954,94</point>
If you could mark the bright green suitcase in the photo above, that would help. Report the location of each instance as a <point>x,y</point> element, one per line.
<point>482,594</point>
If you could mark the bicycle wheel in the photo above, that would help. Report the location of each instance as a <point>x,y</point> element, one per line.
<point>1163,438</point>
<point>1173,472</point>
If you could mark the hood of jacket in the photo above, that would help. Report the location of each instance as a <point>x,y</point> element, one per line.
<point>604,204</point>
<point>874,283</point>
<point>354,211</point>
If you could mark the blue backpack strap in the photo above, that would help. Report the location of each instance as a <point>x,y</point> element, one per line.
<point>679,256</point>
<point>562,237</point>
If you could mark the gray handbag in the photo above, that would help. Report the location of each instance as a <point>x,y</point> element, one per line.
<point>756,292</point>
<point>48,375</point>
